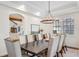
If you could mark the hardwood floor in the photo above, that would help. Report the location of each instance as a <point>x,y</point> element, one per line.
<point>4,56</point>
<point>71,52</point>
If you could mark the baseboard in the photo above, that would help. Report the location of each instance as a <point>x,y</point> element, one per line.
<point>4,56</point>
<point>72,47</point>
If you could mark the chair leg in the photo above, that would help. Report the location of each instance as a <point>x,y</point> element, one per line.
<point>57,54</point>
<point>27,53</point>
<point>61,53</point>
<point>64,49</point>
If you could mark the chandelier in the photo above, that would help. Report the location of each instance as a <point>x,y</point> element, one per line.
<point>48,19</point>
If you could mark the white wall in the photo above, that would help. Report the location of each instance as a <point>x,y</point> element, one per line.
<point>27,21</point>
<point>4,25</point>
<point>47,28</point>
<point>4,30</point>
<point>73,40</point>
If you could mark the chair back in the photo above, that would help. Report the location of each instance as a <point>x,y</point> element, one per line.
<point>45,36</point>
<point>61,42</point>
<point>35,37</point>
<point>30,38</point>
<point>53,44</point>
<point>40,36</point>
<point>26,38</point>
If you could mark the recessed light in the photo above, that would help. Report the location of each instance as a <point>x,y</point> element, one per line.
<point>22,7</point>
<point>37,13</point>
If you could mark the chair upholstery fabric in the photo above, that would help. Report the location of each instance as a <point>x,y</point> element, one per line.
<point>53,45</point>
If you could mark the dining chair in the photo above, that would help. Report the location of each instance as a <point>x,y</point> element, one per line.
<point>26,40</point>
<point>45,37</point>
<point>53,45</point>
<point>64,48</point>
<point>35,39</point>
<point>26,44</point>
<point>30,38</point>
<point>40,36</point>
<point>61,44</point>
<point>41,39</point>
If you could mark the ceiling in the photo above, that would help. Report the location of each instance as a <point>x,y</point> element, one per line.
<point>40,8</point>
<point>43,5</point>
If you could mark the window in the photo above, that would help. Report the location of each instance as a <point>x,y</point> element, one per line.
<point>35,28</point>
<point>68,25</point>
<point>56,26</point>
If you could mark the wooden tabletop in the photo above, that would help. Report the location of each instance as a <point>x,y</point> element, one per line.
<point>35,49</point>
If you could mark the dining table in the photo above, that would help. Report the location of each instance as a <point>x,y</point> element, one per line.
<point>35,49</point>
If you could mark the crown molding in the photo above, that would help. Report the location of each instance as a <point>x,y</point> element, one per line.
<point>8,5</point>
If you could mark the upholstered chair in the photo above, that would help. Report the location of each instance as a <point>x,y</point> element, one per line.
<point>53,46</point>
